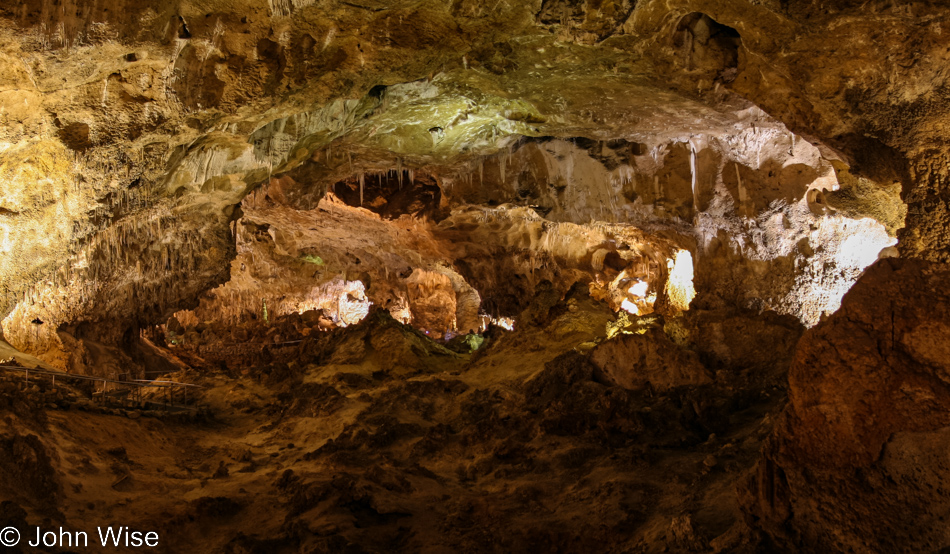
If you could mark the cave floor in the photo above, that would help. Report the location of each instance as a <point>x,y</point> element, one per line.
<point>374,438</point>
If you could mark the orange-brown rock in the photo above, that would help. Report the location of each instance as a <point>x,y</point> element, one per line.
<point>858,461</point>
<point>743,338</point>
<point>649,360</point>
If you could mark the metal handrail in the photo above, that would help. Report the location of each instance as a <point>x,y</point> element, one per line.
<point>65,375</point>
<point>169,386</point>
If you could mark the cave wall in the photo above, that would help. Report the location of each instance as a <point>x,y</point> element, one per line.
<point>175,95</point>
<point>857,460</point>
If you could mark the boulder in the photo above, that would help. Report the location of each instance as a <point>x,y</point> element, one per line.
<point>858,461</point>
<point>648,360</point>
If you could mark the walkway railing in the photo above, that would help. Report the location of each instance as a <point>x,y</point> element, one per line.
<point>174,394</point>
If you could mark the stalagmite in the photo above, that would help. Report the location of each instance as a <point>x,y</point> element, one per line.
<point>693,176</point>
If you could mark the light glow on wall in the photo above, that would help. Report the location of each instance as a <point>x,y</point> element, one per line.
<point>630,307</point>
<point>679,286</point>
<point>639,288</point>
<point>345,302</point>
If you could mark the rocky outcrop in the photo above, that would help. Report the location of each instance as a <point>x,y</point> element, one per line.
<point>858,460</point>
<point>650,360</point>
<point>739,339</point>
<point>374,437</point>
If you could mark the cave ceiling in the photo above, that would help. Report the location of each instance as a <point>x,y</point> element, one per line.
<point>769,139</point>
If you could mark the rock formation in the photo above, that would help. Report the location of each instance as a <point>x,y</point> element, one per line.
<point>858,459</point>
<point>411,275</point>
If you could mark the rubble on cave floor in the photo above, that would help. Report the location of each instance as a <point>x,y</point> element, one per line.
<point>376,438</point>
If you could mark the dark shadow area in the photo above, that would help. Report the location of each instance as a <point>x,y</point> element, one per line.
<point>393,194</point>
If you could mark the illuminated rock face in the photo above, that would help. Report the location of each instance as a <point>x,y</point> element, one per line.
<point>858,457</point>
<point>153,122</point>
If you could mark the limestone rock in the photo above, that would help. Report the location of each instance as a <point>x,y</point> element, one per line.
<point>649,360</point>
<point>858,460</point>
<point>739,339</point>
<point>273,172</point>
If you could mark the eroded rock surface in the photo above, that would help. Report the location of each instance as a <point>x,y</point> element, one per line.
<point>150,124</point>
<point>375,437</point>
<point>858,459</point>
<point>650,360</point>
